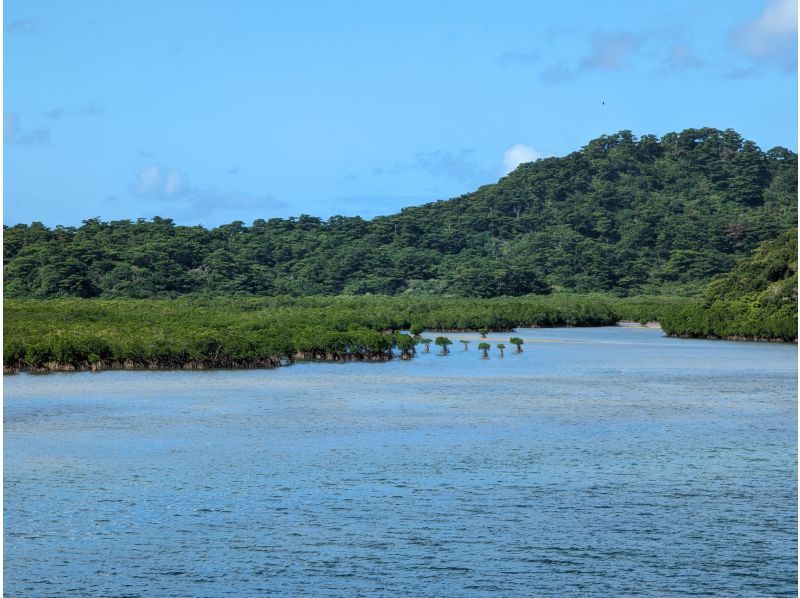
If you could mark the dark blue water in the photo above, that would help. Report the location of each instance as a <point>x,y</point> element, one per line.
<point>606,461</point>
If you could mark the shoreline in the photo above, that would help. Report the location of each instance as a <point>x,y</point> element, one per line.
<point>267,363</point>
<point>735,338</point>
<point>51,367</point>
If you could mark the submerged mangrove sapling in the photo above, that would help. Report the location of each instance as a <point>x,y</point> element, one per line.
<point>443,341</point>
<point>427,342</point>
<point>466,345</point>
<point>501,346</point>
<point>485,348</point>
<point>407,345</point>
<point>518,342</point>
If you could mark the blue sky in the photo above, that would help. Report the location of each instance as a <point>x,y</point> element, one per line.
<point>214,111</point>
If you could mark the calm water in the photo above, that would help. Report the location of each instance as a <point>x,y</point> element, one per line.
<point>605,461</point>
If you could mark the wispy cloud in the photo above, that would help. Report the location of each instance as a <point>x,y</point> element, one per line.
<point>557,73</point>
<point>610,50</point>
<point>91,109</point>
<point>663,50</point>
<point>519,154</point>
<point>518,58</point>
<point>558,30</point>
<point>158,183</point>
<point>738,72</point>
<point>680,58</point>
<point>463,166</point>
<point>23,27</point>
<point>771,37</point>
<point>460,166</point>
<point>15,133</point>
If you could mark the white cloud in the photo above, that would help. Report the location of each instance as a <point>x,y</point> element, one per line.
<point>174,191</point>
<point>518,154</point>
<point>158,182</point>
<point>772,36</point>
<point>173,183</point>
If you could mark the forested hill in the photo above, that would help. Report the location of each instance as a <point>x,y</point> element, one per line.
<point>623,214</point>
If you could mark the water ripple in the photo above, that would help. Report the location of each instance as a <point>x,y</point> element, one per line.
<point>613,462</point>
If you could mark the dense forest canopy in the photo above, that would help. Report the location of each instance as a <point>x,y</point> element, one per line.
<point>625,215</point>
<point>756,300</point>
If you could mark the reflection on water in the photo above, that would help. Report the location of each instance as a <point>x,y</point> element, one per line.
<point>598,461</point>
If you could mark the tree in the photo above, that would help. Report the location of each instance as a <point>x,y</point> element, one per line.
<point>426,342</point>
<point>416,330</point>
<point>407,345</point>
<point>466,344</point>
<point>485,348</point>
<point>443,341</point>
<point>517,342</point>
<point>620,215</point>
<point>501,346</point>
<point>483,332</point>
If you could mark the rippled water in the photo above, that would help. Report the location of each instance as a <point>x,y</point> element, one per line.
<point>605,461</point>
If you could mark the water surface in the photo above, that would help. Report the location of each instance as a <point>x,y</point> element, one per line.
<point>604,461</point>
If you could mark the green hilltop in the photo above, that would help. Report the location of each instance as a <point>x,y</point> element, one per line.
<point>622,215</point>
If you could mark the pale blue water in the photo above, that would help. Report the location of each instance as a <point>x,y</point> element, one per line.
<point>612,462</point>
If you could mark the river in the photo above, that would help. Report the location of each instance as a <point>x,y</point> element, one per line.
<point>599,461</point>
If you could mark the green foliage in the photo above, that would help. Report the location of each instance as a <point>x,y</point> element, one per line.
<point>263,332</point>
<point>517,342</point>
<point>622,215</point>
<point>648,308</point>
<point>406,344</point>
<point>485,348</point>
<point>755,300</point>
<point>443,342</point>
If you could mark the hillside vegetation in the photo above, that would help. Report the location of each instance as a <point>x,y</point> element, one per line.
<point>757,300</point>
<point>621,215</point>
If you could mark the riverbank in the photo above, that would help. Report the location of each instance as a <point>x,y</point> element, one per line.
<point>248,332</point>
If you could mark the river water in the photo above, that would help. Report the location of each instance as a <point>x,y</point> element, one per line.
<point>600,461</point>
